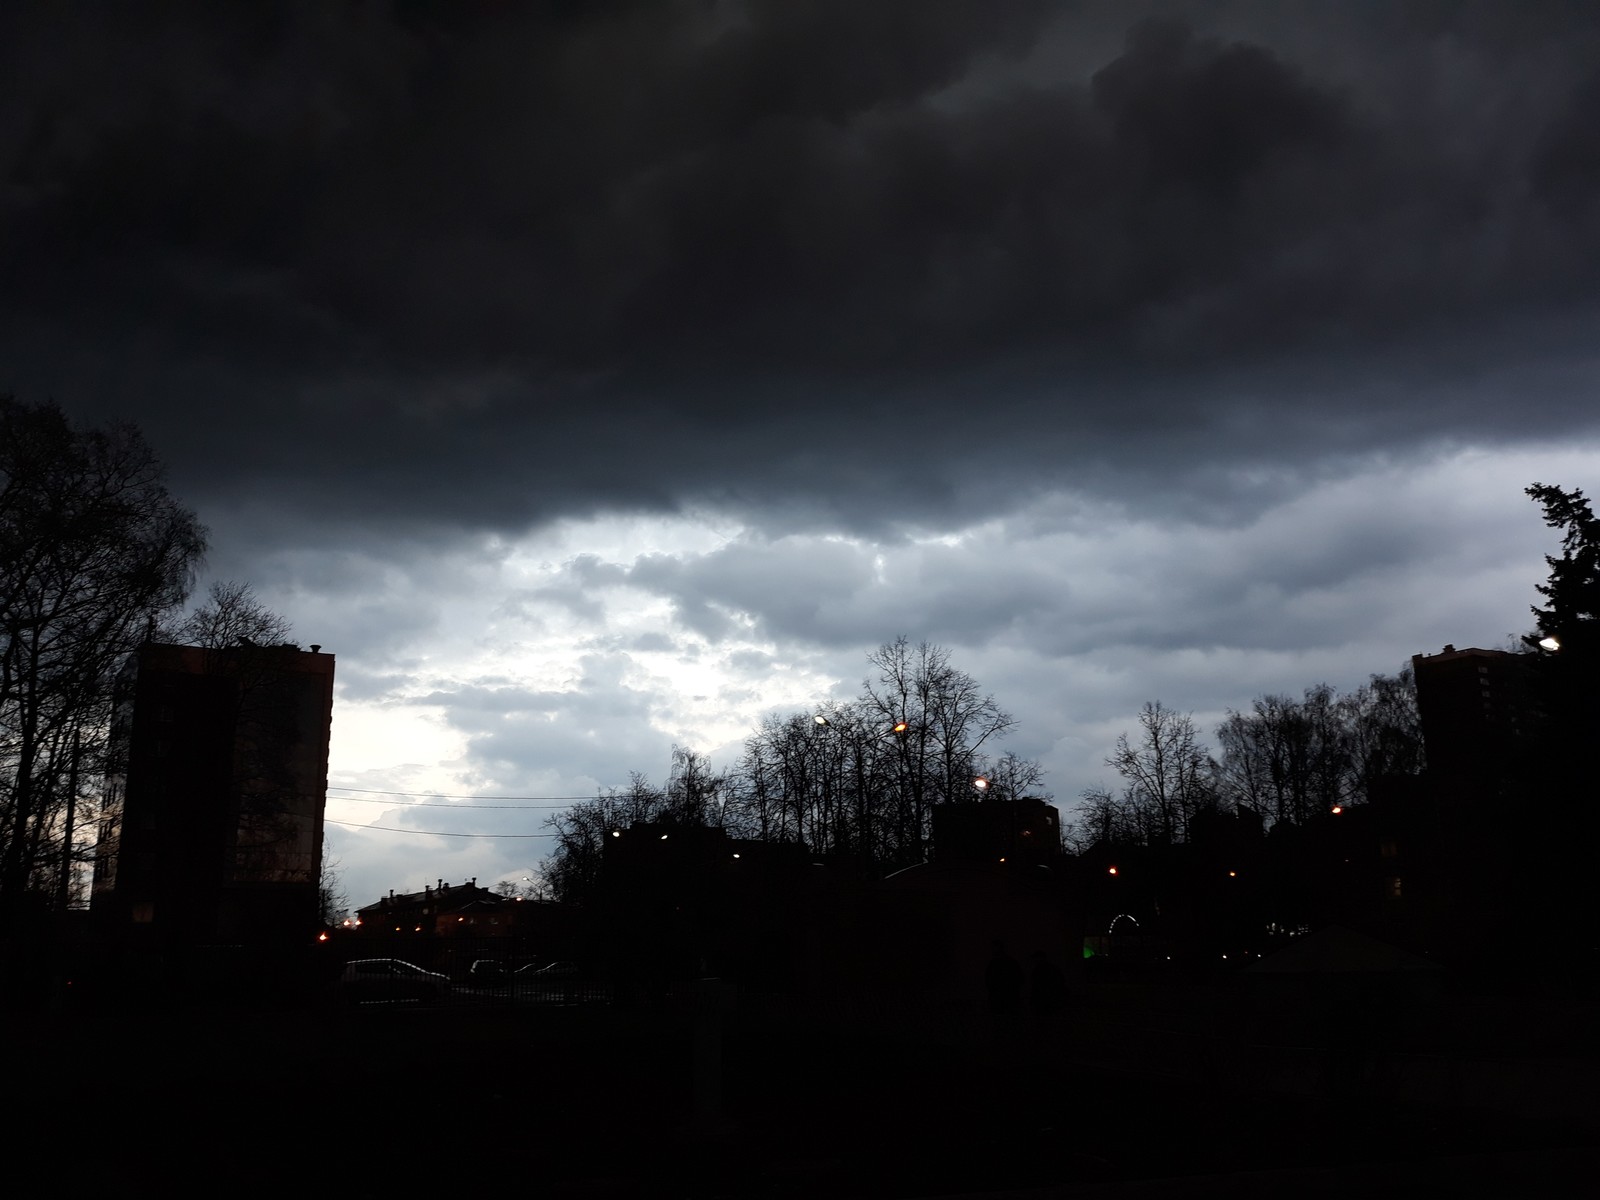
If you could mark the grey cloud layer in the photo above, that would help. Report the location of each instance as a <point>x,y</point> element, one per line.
<point>1291,581</point>
<point>871,264</point>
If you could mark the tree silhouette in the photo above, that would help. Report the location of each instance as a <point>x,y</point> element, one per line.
<point>861,778</point>
<point>1168,774</point>
<point>94,552</point>
<point>1567,678</point>
<point>855,780</point>
<point>1573,589</point>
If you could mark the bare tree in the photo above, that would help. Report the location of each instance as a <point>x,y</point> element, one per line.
<point>861,778</point>
<point>1384,730</point>
<point>1289,760</point>
<point>93,553</point>
<point>572,869</point>
<point>231,617</point>
<point>333,902</point>
<point>1104,819</point>
<point>945,721</point>
<point>856,779</point>
<point>693,789</point>
<point>1168,773</point>
<point>1013,778</point>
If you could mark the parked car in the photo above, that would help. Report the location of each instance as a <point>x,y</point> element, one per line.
<point>560,983</point>
<point>367,980</point>
<point>488,970</point>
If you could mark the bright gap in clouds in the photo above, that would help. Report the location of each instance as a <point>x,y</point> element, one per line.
<point>561,617</point>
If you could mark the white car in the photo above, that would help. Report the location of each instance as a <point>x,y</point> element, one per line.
<point>390,979</point>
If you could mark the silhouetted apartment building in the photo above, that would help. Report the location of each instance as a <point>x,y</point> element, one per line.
<point>1479,714</point>
<point>211,830</point>
<point>461,909</point>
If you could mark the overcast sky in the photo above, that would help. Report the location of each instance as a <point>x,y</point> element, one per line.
<point>594,377</point>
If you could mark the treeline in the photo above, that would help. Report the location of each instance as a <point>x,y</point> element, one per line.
<point>1285,760</point>
<point>853,781</point>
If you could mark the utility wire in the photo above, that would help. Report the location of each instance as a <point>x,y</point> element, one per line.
<point>435,804</point>
<point>450,796</point>
<point>435,833</point>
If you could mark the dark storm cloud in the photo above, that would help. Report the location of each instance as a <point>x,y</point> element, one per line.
<point>491,262</point>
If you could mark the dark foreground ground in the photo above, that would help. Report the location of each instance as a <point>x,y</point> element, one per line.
<point>704,1100</point>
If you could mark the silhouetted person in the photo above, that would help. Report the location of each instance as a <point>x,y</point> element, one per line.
<point>1004,980</point>
<point>1049,988</point>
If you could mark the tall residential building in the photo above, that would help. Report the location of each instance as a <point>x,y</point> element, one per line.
<point>1479,715</point>
<point>211,831</point>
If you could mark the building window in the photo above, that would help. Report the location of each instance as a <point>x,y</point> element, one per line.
<point>1387,847</point>
<point>1391,887</point>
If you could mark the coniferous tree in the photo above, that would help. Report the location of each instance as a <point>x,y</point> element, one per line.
<point>1572,593</point>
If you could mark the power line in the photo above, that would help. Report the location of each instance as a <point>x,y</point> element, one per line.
<point>448,795</point>
<point>431,804</point>
<point>435,833</point>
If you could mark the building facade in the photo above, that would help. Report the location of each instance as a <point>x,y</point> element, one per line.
<point>1480,714</point>
<point>211,827</point>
